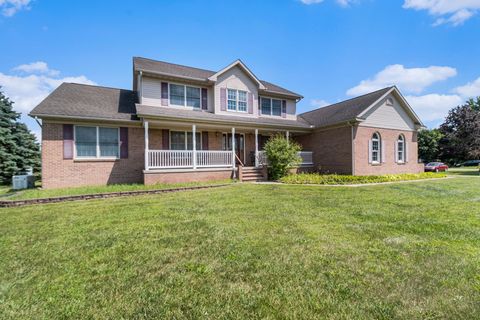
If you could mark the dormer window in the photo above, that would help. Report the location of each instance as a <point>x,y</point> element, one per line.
<point>236,100</point>
<point>271,107</point>
<point>185,96</point>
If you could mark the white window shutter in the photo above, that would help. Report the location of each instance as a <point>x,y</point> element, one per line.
<point>395,155</point>
<point>383,151</point>
<point>405,151</point>
<point>369,151</point>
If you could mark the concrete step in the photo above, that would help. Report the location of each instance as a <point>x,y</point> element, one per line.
<point>253,179</point>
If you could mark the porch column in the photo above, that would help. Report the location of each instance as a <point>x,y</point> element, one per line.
<point>288,135</point>
<point>256,148</point>
<point>194,143</point>
<point>233,151</point>
<point>145,126</point>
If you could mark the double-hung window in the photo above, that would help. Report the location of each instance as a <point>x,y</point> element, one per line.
<point>182,140</point>
<point>96,142</point>
<point>236,100</point>
<point>271,107</point>
<point>181,95</point>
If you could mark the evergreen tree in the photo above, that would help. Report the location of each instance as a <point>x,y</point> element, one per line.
<point>18,146</point>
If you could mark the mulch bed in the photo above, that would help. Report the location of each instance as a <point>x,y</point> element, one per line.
<point>26,202</point>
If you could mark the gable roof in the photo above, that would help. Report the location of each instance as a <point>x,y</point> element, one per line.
<point>185,72</point>
<point>344,111</point>
<point>73,100</point>
<point>240,64</point>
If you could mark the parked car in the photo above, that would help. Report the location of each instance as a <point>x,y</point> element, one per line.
<point>471,163</point>
<point>436,167</point>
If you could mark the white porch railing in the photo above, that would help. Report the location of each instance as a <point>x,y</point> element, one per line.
<point>214,158</point>
<point>163,159</point>
<point>307,158</point>
<point>160,159</point>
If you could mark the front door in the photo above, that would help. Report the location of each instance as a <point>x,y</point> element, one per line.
<point>239,145</point>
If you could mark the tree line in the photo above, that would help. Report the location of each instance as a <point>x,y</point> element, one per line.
<point>457,139</point>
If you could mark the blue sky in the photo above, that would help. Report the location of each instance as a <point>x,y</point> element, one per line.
<point>326,50</point>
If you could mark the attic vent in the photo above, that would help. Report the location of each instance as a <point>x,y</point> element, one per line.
<point>389,102</point>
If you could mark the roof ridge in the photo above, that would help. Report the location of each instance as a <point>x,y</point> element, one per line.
<point>95,85</point>
<point>343,101</point>
<point>174,64</point>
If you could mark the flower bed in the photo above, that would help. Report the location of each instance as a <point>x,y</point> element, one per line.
<point>315,178</point>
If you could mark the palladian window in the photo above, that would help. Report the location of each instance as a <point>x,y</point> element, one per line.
<point>375,148</point>
<point>400,154</point>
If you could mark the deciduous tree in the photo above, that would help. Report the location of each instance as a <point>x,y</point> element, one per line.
<point>461,133</point>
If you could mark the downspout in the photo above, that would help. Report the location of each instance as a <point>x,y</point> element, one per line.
<point>38,122</point>
<point>140,84</point>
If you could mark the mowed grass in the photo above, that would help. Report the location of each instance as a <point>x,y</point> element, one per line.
<point>247,251</point>
<point>8,194</point>
<point>464,171</point>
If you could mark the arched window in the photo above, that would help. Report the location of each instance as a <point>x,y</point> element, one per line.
<point>400,154</point>
<point>375,149</point>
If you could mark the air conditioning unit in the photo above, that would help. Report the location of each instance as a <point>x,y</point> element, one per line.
<point>23,182</point>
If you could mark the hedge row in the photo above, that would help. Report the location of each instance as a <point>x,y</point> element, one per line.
<point>314,178</point>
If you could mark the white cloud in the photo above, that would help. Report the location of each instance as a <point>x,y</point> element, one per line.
<point>413,80</point>
<point>10,7</point>
<point>470,90</point>
<point>28,90</point>
<point>432,107</point>
<point>455,12</point>
<point>343,3</point>
<point>37,67</point>
<point>319,103</point>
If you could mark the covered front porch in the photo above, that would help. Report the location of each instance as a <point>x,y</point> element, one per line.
<point>217,151</point>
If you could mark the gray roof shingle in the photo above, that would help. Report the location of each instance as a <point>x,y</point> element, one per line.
<point>172,69</point>
<point>87,101</point>
<point>342,111</point>
<point>144,110</point>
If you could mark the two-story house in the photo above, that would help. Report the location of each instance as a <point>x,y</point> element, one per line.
<point>182,123</point>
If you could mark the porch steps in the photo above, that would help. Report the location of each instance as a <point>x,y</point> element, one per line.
<point>252,174</point>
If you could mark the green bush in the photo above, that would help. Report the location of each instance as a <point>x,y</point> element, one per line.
<point>314,178</point>
<point>282,155</point>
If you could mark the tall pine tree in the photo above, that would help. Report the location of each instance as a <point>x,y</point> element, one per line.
<point>18,146</point>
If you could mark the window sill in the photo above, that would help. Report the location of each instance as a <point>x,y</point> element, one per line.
<point>96,160</point>
<point>376,164</point>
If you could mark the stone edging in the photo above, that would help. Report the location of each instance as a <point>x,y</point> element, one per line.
<point>26,202</point>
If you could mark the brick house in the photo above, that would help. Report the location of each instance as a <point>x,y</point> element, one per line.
<point>180,123</point>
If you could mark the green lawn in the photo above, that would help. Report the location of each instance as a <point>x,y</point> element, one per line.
<point>464,171</point>
<point>247,251</point>
<point>6,193</point>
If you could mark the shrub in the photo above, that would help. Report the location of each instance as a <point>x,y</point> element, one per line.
<point>282,155</point>
<point>314,178</point>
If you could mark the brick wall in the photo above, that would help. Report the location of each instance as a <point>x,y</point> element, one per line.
<point>332,149</point>
<point>60,173</point>
<point>187,176</point>
<point>389,136</point>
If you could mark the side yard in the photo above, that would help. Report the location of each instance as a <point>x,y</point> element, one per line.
<point>401,251</point>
